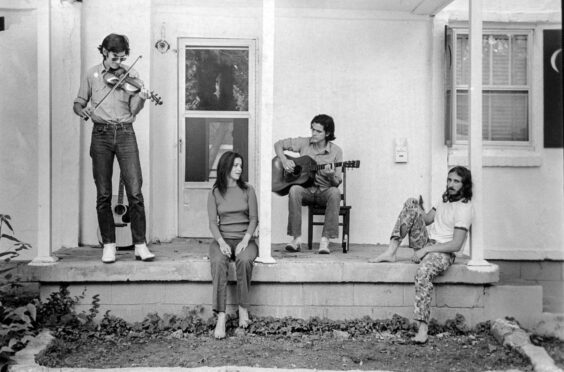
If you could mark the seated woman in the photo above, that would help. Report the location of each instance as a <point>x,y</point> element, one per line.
<point>233,218</point>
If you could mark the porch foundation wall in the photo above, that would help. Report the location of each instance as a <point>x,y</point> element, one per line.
<point>548,274</point>
<point>132,301</point>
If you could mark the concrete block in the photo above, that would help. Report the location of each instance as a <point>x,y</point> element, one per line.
<point>508,270</point>
<point>553,296</point>
<point>138,293</point>
<point>277,294</point>
<point>378,294</point>
<point>409,295</point>
<point>187,292</point>
<point>524,303</point>
<point>388,312</point>
<point>551,325</point>
<point>459,296</point>
<point>541,270</point>
<point>327,294</point>
<point>300,312</point>
<point>472,316</point>
<point>348,312</point>
<point>79,290</point>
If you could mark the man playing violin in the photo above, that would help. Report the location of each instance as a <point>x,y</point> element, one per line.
<point>113,113</point>
<point>324,191</point>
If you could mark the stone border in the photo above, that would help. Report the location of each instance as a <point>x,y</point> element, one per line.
<point>508,333</point>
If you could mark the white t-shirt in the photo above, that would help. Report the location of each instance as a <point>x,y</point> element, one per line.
<point>447,217</point>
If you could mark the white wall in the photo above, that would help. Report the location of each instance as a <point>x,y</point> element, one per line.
<point>371,71</point>
<point>100,18</point>
<point>523,205</point>
<point>181,19</point>
<point>377,73</point>
<point>18,127</point>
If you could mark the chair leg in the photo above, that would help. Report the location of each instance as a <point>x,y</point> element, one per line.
<point>345,243</point>
<point>309,228</point>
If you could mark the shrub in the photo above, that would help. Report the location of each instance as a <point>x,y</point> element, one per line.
<point>17,319</point>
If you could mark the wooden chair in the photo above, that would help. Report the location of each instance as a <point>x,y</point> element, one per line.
<point>344,212</point>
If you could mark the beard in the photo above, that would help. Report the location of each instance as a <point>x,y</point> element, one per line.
<point>452,197</point>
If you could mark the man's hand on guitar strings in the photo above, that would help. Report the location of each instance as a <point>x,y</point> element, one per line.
<point>288,165</point>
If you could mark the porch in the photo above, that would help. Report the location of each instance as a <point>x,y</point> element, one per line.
<point>301,285</point>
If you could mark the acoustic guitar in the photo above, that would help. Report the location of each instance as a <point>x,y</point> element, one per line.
<point>122,219</point>
<point>303,174</point>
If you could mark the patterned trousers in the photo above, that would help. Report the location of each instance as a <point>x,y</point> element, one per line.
<point>411,222</point>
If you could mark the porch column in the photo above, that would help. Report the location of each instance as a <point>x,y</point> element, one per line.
<point>266,121</point>
<point>475,138</point>
<point>44,248</point>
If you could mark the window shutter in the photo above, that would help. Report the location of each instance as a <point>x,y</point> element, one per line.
<point>449,85</point>
<point>553,120</point>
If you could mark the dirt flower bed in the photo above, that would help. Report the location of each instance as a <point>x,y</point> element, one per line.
<point>333,352</point>
<point>365,344</point>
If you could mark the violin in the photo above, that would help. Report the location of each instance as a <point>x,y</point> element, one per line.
<point>120,79</point>
<point>128,84</point>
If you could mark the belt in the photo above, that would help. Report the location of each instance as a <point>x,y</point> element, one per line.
<point>115,125</point>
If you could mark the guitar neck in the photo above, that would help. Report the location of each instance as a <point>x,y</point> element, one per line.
<point>321,166</point>
<point>120,191</point>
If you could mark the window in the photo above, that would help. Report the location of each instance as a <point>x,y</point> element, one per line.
<point>215,107</point>
<point>506,110</point>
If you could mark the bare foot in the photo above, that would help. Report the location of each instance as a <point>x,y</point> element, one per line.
<point>421,337</point>
<point>244,320</point>
<point>219,331</point>
<point>389,254</point>
<point>384,257</point>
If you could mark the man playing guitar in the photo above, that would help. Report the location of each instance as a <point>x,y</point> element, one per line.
<point>324,190</point>
<point>113,112</point>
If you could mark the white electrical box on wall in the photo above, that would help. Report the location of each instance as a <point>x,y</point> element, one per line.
<point>400,150</point>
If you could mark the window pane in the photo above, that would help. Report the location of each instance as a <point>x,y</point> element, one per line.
<point>207,139</point>
<point>217,79</point>
<point>519,60</point>
<point>504,116</point>
<point>509,116</point>
<point>462,60</point>
<point>499,45</point>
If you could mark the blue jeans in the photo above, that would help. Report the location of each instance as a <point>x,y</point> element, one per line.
<point>109,141</point>
<point>329,198</point>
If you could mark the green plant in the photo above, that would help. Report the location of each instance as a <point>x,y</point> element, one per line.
<point>17,245</point>
<point>17,320</point>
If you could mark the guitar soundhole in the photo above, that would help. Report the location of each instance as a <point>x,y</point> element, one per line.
<point>120,209</point>
<point>292,176</point>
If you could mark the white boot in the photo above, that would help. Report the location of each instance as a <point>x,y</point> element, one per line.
<point>324,246</point>
<point>109,254</point>
<point>143,253</point>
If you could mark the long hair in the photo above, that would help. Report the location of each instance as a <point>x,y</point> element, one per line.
<point>328,126</point>
<point>465,193</point>
<point>114,43</point>
<point>224,167</point>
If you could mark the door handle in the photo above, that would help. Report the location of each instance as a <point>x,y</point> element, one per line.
<point>180,145</point>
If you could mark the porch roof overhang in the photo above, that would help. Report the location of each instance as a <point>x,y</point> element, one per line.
<point>414,7</point>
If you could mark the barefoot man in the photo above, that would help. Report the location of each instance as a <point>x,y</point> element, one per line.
<point>449,221</point>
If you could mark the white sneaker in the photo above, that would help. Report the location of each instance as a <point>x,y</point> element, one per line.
<point>324,246</point>
<point>109,254</point>
<point>143,253</point>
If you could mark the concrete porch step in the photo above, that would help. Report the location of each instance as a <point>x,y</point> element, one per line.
<point>301,285</point>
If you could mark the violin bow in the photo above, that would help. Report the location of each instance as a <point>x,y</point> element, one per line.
<point>116,85</point>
